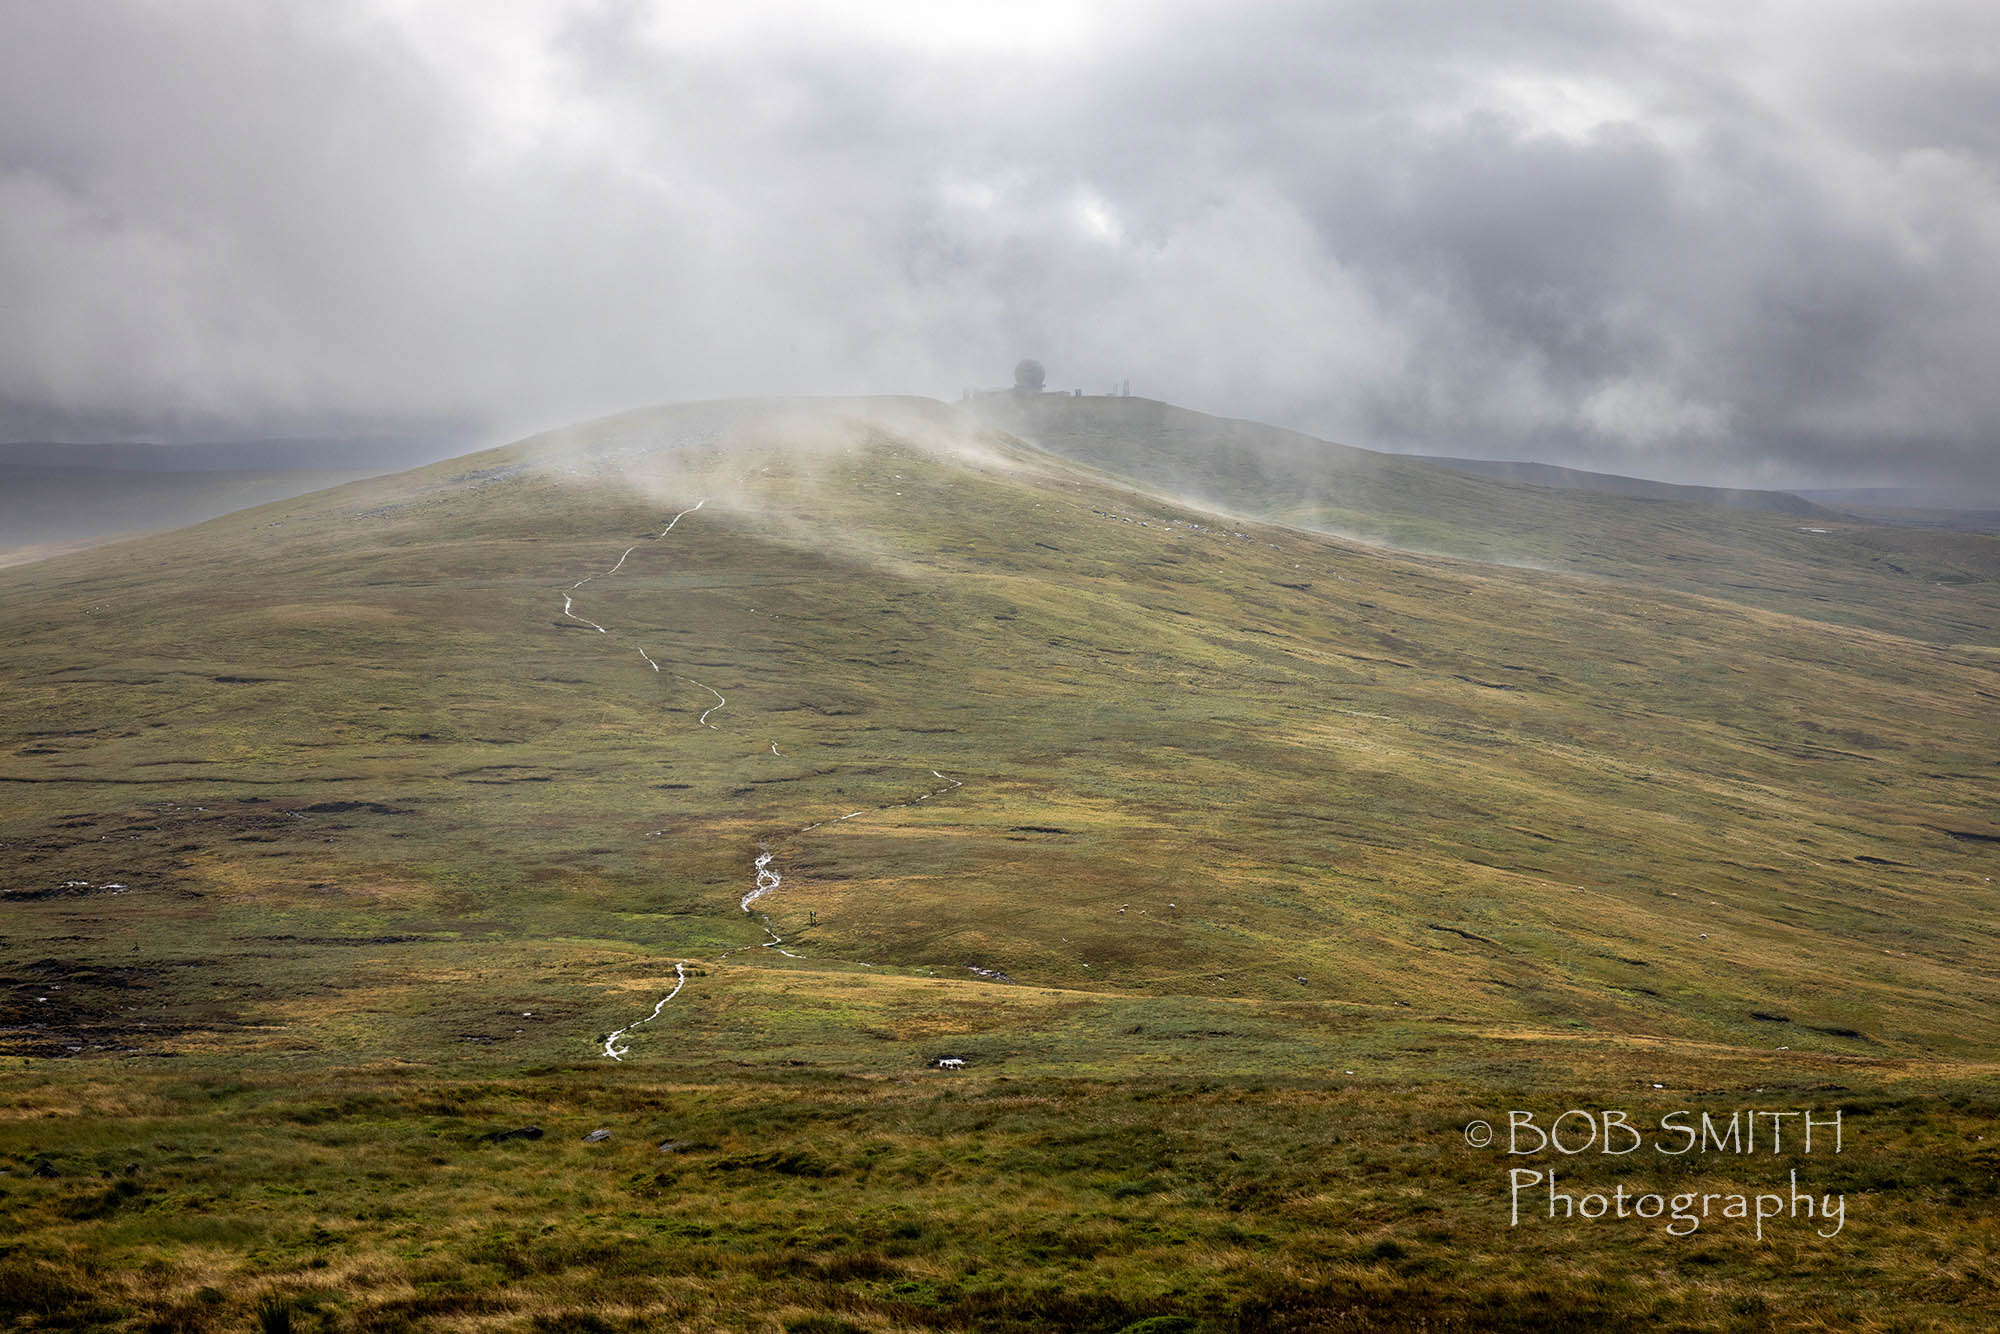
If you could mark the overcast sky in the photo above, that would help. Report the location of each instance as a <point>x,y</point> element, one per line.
<point>1733,241</point>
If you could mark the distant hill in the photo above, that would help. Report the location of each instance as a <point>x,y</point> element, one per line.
<point>372,454</point>
<point>1906,497</point>
<point>1577,479</point>
<point>1779,552</point>
<point>57,496</point>
<point>1963,511</point>
<point>44,511</point>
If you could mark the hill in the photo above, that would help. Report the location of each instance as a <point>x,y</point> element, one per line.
<point>1936,585</point>
<point>781,750</point>
<point>1971,510</point>
<point>1577,479</point>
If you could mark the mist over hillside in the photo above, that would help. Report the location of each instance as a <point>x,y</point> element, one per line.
<point>835,809</point>
<point>560,773</point>
<point>1780,553</point>
<point>1573,479</point>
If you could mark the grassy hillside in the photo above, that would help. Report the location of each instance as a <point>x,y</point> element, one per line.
<point>1241,864</point>
<point>1931,584</point>
<point>1576,479</point>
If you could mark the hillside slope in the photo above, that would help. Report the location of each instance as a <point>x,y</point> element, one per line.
<point>1576,479</point>
<point>1226,757</point>
<point>782,750</point>
<point>1934,585</point>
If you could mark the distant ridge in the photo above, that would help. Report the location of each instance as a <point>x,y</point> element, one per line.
<point>1975,497</point>
<point>1262,467</point>
<point>1765,549</point>
<point>284,454</point>
<point>1953,509</point>
<point>57,496</point>
<point>1576,479</point>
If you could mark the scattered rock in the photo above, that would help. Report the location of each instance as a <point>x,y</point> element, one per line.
<point>524,1132</point>
<point>1465,935</point>
<point>670,1146</point>
<point>597,1136</point>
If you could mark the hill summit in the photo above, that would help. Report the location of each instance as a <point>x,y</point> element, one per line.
<point>708,784</point>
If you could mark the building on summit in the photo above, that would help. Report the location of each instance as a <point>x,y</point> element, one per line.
<point>1029,382</point>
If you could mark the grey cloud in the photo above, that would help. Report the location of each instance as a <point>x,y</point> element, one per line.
<point>1707,249</point>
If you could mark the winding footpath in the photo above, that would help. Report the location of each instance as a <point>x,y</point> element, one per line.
<point>719,702</point>
<point>569,600</point>
<point>611,1047</point>
<point>682,515</point>
<point>765,879</point>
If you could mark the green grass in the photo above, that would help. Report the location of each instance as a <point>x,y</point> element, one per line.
<point>375,1200</point>
<point>1819,564</point>
<point>1244,807</point>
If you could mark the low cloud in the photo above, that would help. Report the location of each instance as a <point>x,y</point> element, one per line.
<point>1743,243</point>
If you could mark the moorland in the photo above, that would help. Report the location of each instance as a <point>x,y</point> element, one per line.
<point>707,775</point>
